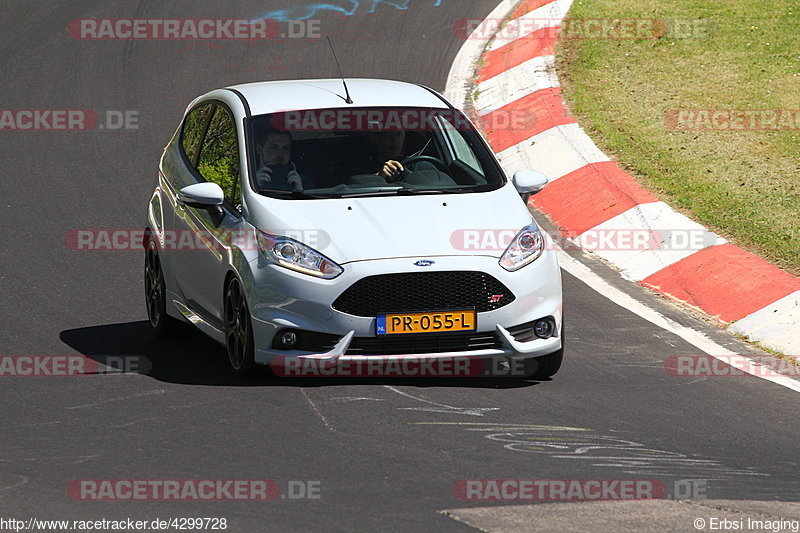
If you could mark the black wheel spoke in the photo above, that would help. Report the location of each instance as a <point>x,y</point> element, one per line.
<point>237,350</point>
<point>238,339</point>
<point>154,291</point>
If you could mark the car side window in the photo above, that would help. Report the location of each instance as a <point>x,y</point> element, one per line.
<point>219,157</point>
<point>461,149</point>
<point>194,128</point>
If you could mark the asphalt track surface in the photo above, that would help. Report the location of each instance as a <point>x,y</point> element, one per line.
<point>387,454</point>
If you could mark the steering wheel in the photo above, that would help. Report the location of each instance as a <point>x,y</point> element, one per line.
<point>438,163</point>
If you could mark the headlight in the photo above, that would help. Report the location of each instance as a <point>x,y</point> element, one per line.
<point>526,247</point>
<point>295,255</point>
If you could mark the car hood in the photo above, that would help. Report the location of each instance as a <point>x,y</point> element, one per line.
<point>359,229</point>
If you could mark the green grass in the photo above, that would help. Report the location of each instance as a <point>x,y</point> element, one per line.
<point>743,185</point>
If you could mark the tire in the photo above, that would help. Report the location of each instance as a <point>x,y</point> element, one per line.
<point>546,366</point>
<point>238,329</point>
<point>155,293</point>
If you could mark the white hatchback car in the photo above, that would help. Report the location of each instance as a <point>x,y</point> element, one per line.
<point>323,219</point>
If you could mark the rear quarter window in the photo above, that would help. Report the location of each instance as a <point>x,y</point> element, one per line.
<point>194,129</point>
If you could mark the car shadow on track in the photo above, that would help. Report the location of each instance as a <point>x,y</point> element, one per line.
<point>191,358</point>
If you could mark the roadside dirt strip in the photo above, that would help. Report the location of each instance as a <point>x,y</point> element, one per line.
<point>516,97</point>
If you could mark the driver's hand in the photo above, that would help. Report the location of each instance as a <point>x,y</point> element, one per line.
<point>294,179</point>
<point>391,169</point>
<point>263,176</point>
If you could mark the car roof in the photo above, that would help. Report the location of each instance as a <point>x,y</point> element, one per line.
<point>294,95</point>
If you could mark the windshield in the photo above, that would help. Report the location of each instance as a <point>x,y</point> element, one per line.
<point>335,153</point>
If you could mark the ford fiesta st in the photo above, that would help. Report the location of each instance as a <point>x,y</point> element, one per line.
<point>348,220</point>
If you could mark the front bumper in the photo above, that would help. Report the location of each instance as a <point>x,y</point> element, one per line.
<point>280,298</point>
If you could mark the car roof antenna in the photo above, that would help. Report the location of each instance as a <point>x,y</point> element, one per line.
<point>347,100</point>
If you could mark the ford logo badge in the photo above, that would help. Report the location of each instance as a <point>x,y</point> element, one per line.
<point>424,263</point>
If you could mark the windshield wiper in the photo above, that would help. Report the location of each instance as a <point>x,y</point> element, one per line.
<point>382,192</point>
<point>410,192</point>
<point>473,188</point>
<point>403,191</point>
<point>292,194</point>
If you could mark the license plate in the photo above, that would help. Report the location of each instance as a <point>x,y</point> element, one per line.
<point>391,324</point>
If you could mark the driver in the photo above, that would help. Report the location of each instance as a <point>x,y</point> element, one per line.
<point>388,147</point>
<point>277,172</point>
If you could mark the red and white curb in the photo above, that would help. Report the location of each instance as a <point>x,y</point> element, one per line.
<point>589,194</point>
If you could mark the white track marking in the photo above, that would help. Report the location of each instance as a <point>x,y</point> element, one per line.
<point>15,485</point>
<point>317,411</point>
<point>440,407</point>
<point>459,80</point>
<point>555,152</point>
<point>531,76</point>
<point>696,338</point>
<point>354,399</point>
<point>547,16</point>
<point>775,326</point>
<point>672,237</point>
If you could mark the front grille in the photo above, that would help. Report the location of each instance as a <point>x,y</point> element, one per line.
<point>399,344</point>
<point>423,291</point>
<point>423,343</point>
